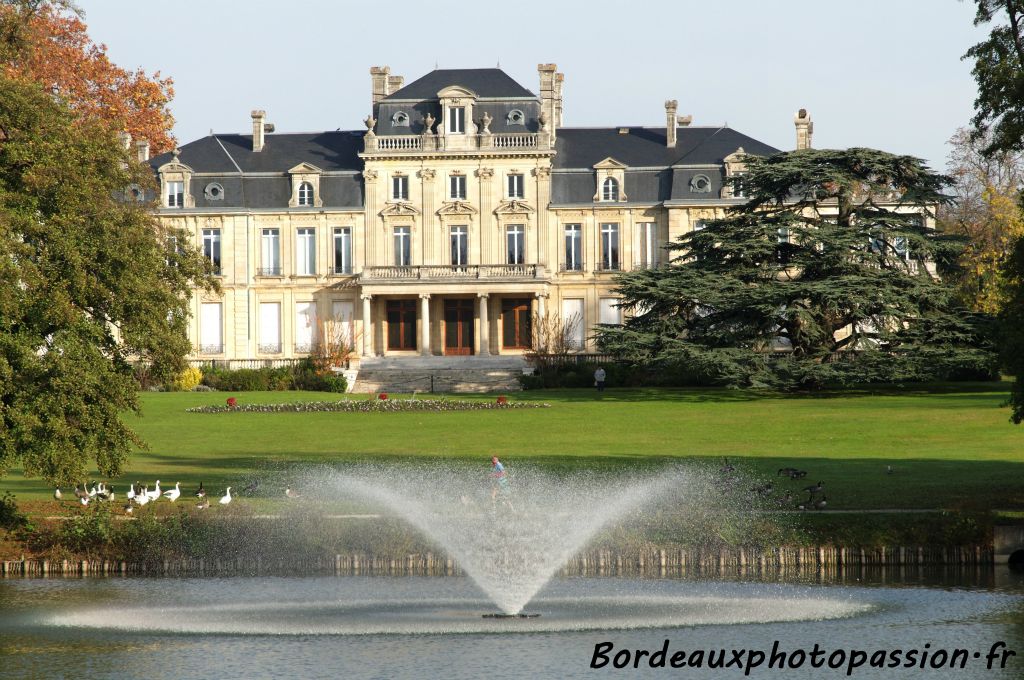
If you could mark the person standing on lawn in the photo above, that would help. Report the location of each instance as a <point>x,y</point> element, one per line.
<point>599,378</point>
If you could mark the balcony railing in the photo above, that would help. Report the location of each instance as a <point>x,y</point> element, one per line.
<point>432,142</point>
<point>211,349</point>
<point>341,271</point>
<point>269,271</point>
<point>269,348</point>
<point>454,272</point>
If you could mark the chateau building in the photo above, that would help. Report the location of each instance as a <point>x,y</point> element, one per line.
<point>462,217</point>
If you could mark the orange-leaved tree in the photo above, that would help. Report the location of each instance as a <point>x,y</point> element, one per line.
<point>57,52</point>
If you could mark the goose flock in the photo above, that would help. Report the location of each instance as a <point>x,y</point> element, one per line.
<point>139,496</point>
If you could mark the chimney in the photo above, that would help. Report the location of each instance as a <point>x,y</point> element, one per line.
<point>804,129</point>
<point>395,83</point>
<point>547,96</point>
<point>125,138</point>
<point>258,128</point>
<point>559,80</point>
<point>380,83</point>
<point>142,150</point>
<point>670,123</point>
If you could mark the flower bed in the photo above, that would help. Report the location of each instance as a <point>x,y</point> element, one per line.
<point>369,406</point>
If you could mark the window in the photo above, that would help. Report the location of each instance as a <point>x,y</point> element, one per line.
<point>459,238</point>
<point>783,235</point>
<point>270,328</point>
<point>515,117</point>
<point>700,184</point>
<point>270,252</point>
<point>211,248</point>
<point>899,246</point>
<point>458,187</point>
<point>211,338</point>
<point>609,246</point>
<point>516,323</point>
<point>343,250</point>
<point>403,246</point>
<point>514,242</point>
<point>135,193</point>
<point>400,188</point>
<point>305,252</point>
<point>305,194</point>
<point>173,251</point>
<point>573,247</point>
<point>401,318</point>
<point>647,244</point>
<point>342,313</point>
<point>608,311</point>
<point>175,194</point>
<point>400,119</point>
<point>515,186</point>
<point>739,188</point>
<point>610,189</point>
<point>457,119</point>
<point>572,322</point>
<point>214,192</point>
<point>305,326</point>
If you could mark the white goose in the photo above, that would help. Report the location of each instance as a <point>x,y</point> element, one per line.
<point>131,492</point>
<point>172,494</point>
<point>142,498</point>
<point>226,498</point>
<point>57,494</point>
<point>154,495</point>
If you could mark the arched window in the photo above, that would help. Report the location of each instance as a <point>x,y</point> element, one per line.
<point>610,189</point>
<point>305,194</point>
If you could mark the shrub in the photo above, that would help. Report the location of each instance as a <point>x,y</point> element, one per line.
<point>309,375</point>
<point>88,533</point>
<point>187,380</point>
<point>11,518</point>
<point>250,379</point>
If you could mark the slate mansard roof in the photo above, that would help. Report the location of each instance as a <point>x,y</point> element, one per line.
<point>484,82</point>
<point>654,172</point>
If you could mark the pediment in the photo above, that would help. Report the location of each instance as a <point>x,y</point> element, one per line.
<point>457,208</point>
<point>456,91</point>
<point>399,210</point>
<point>610,164</point>
<point>173,166</point>
<point>305,169</point>
<point>512,207</point>
<point>735,156</point>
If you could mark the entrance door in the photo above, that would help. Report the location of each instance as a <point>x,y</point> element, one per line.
<point>516,324</point>
<point>458,326</point>
<point>401,315</point>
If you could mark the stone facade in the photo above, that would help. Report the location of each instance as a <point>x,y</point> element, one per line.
<point>462,220</point>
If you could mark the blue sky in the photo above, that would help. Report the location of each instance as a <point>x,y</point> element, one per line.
<point>884,74</point>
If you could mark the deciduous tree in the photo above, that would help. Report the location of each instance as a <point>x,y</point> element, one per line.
<point>88,285</point>
<point>56,52</point>
<point>825,276</point>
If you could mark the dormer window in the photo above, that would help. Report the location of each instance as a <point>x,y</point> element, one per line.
<point>457,119</point>
<point>306,194</point>
<point>175,194</point>
<point>457,184</point>
<point>515,117</point>
<point>700,184</point>
<point>400,119</point>
<point>610,189</point>
<point>400,188</point>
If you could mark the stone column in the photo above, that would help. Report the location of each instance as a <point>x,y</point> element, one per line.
<point>425,324</point>
<point>541,309</point>
<point>485,325</point>
<point>367,327</point>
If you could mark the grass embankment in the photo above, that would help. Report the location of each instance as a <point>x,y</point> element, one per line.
<point>950,446</point>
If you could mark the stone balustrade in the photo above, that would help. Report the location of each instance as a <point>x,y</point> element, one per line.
<point>482,142</point>
<point>471,271</point>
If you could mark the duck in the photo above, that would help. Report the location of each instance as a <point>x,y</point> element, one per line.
<point>820,504</point>
<point>291,494</point>
<point>787,471</point>
<point>820,486</point>
<point>172,494</point>
<point>154,495</point>
<point>226,498</point>
<point>889,469</point>
<point>81,493</point>
<point>201,492</point>
<point>252,486</point>
<point>57,494</point>
<point>204,504</point>
<point>128,509</point>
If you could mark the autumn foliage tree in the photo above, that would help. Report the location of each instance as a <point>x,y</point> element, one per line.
<point>56,52</point>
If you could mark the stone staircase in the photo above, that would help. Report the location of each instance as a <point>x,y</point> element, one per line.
<point>439,374</point>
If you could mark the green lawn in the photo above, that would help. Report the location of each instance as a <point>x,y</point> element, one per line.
<point>951,446</point>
